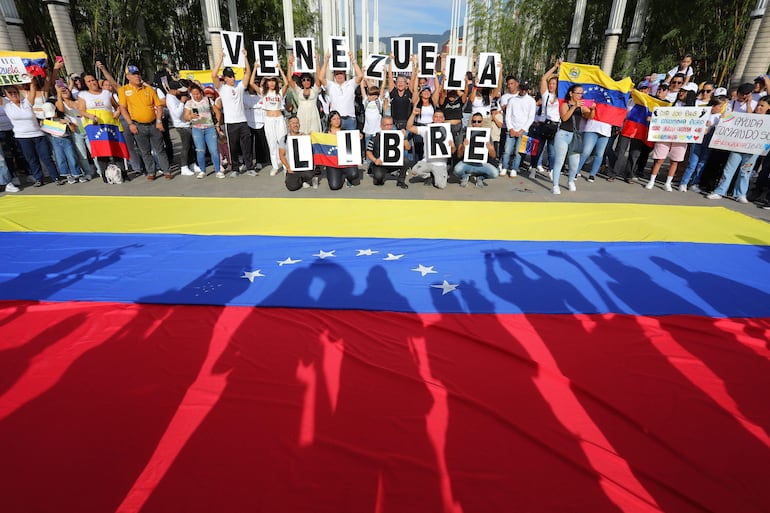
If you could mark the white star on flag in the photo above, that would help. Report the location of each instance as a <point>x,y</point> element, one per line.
<point>366,252</point>
<point>391,256</point>
<point>325,254</point>
<point>250,275</point>
<point>446,287</point>
<point>288,261</point>
<point>424,270</point>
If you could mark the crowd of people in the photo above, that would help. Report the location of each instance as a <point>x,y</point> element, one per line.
<point>230,128</point>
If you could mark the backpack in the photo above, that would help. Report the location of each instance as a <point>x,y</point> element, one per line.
<point>113,174</point>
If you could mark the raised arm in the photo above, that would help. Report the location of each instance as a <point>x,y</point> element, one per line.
<point>391,84</point>
<point>215,70</point>
<point>246,70</point>
<point>290,74</point>
<point>107,75</point>
<point>410,122</point>
<point>359,74</point>
<point>253,79</point>
<point>285,80</point>
<point>547,76</point>
<point>322,73</point>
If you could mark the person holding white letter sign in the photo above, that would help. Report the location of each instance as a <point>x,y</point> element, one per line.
<point>439,147</point>
<point>476,151</point>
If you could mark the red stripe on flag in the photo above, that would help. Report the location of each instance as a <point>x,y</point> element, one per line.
<point>609,114</point>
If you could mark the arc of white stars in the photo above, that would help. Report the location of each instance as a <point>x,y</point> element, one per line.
<point>288,261</point>
<point>446,287</point>
<point>250,275</point>
<point>366,252</point>
<point>325,254</point>
<point>391,256</point>
<point>423,270</point>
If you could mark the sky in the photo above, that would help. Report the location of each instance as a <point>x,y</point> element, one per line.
<point>409,16</point>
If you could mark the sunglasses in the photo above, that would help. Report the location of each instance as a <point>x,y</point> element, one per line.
<point>676,82</point>
<point>709,91</point>
<point>474,122</point>
<point>306,80</point>
<point>12,92</point>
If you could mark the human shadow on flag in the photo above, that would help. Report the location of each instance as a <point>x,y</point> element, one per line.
<point>507,440</point>
<point>323,409</point>
<point>88,437</point>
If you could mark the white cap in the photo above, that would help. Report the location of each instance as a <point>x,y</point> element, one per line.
<point>690,86</point>
<point>720,91</point>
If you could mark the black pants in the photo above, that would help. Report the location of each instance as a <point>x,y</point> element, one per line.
<point>239,141</point>
<point>187,153</point>
<point>260,148</point>
<point>336,176</point>
<point>635,162</point>
<point>379,173</point>
<point>295,180</point>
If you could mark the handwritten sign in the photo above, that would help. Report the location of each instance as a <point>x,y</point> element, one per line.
<point>742,133</point>
<point>678,124</point>
<point>12,71</point>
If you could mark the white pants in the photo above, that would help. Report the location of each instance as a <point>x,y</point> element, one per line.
<point>275,129</point>
<point>424,169</point>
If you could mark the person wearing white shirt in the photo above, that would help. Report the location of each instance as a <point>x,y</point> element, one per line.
<point>743,101</point>
<point>342,93</point>
<point>236,127</point>
<point>519,116</point>
<point>175,102</point>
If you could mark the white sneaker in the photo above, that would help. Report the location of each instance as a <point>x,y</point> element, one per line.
<point>541,170</point>
<point>314,182</point>
<point>695,188</point>
<point>186,171</point>
<point>503,172</point>
<point>650,185</point>
<point>11,188</point>
<point>219,174</point>
<point>556,190</point>
<point>200,174</point>
<point>275,170</point>
<point>667,187</point>
<point>532,173</point>
<point>196,168</point>
<point>305,185</point>
<point>682,188</point>
<point>572,187</point>
<point>513,173</point>
<point>713,196</point>
<point>741,199</point>
<point>550,174</point>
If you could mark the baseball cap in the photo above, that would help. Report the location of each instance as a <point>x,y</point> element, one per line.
<point>525,85</point>
<point>228,72</point>
<point>132,70</point>
<point>720,91</point>
<point>690,86</point>
<point>177,86</point>
<point>642,84</point>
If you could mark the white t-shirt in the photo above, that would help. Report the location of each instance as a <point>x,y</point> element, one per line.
<point>272,100</point>
<point>204,109</point>
<point>478,107</point>
<point>426,114</point>
<point>686,73</point>
<point>550,108</point>
<point>176,112</point>
<point>100,101</point>
<point>255,115</point>
<point>342,97</point>
<point>5,123</point>
<point>520,112</point>
<point>372,115</point>
<point>25,124</point>
<point>232,103</point>
<point>736,106</point>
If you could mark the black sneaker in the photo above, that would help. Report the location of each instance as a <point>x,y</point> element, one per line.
<point>402,185</point>
<point>591,179</point>
<point>37,183</point>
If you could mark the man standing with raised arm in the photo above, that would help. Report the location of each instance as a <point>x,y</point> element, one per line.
<point>236,125</point>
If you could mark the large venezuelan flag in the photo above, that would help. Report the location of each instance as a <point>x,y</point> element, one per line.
<point>611,96</point>
<point>199,355</point>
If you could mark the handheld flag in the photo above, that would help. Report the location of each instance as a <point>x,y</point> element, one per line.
<point>106,141</point>
<point>610,96</point>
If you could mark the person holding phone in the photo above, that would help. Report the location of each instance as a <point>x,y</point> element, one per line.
<point>568,139</point>
<point>198,111</point>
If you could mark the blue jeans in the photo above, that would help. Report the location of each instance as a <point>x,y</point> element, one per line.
<point>38,154</point>
<point>545,144</point>
<point>735,160</point>
<point>561,152</point>
<point>66,159</point>
<point>699,157</point>
<point>206,138</point>
<point>80,141</point>
<point>487,170</point>
<point>512,146</point>
<point>5,174</point>
<point>596,144</point>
